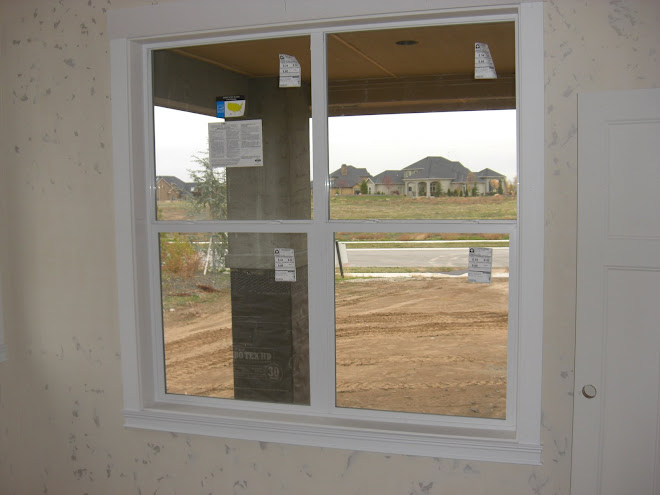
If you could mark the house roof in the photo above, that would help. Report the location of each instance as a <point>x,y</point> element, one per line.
<point>389,177</point>
<point>438,167</point>
<point>488,173</point>
<point>174,181</point>
<point>352,176</point>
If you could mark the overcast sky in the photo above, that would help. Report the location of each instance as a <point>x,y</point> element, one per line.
<point>478,139</point>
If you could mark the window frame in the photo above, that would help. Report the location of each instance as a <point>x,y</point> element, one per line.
<point>134,33</point>
<point>3,346</point>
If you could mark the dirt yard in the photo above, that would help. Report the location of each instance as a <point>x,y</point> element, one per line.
<point>409,344</point>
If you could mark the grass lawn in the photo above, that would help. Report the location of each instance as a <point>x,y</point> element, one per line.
<point>387,208</point>
<point>407,208</point>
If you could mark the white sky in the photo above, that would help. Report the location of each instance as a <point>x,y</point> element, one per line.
<point>477,139</point>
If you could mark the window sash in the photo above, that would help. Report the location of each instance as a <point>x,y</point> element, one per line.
<point>515,439</point>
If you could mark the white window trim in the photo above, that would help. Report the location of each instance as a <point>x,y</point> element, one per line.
<point>3,346</point>
<point>132,32</point>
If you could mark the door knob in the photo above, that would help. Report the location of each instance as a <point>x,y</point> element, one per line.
<point>589,391</point>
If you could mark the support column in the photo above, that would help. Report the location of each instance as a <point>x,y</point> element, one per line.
<point>270,318</point>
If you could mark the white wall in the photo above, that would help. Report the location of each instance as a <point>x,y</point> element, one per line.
<point>60,390</point>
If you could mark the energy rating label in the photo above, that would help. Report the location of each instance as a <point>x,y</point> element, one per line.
<point>230,106</point>
<point>480,265</point>
<point>285,265</point>
<point>484,67</point>
<point>289,71</point>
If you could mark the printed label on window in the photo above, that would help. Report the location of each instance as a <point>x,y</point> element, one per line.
<point>480,265</point>
<point>484,67</point>
<point>285,265</point>
<point>229,106</point>
<point>289,71</point>
<point>236,144</point>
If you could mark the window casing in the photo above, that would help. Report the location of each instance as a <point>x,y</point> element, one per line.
<point>3,346</point>
<point>146,405</point>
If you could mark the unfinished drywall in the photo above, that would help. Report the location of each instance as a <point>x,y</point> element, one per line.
<point>60,389</point>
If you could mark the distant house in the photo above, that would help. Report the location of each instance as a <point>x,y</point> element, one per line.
<point>491,180</point>
<point>347,180</point>
<point>435,175</point>
<point>169,188</point>
<point>388,182</point>
<point>430,176</point>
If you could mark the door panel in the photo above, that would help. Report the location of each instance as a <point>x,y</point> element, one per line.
<point>630,380</point>
<point>615,433</point>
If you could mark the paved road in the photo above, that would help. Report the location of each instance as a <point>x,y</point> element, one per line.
<point>416,257</point>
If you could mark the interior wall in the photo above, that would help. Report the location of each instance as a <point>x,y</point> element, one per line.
<point>60,389</point>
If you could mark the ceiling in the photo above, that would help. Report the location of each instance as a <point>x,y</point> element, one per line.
<point>373,61</point>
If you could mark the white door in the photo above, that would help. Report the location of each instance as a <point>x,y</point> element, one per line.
<point>616,432</point>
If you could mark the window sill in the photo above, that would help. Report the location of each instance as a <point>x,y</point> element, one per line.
<point>317,431</point>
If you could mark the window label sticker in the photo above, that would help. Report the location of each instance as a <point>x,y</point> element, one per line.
<point>484,67</point>
<point>229,106</point>
<point>480,265</point>
<point>285,265</point>
<point>289,71</point>
<point>236,144</point>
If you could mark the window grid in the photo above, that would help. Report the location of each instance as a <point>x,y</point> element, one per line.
<point>149,407</point>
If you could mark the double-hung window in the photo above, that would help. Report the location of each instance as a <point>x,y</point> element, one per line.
<point>330,226</point>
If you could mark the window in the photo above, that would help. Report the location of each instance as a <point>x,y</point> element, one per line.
<point>305,277</point>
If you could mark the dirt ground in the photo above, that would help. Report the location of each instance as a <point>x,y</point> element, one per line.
<point>409,344</point>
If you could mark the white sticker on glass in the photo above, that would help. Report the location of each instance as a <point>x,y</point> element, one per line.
<point>484,67</point>
<point>285,265</point>
<point>289,71</point>
<point>236,144</point>
<point>480,265</point>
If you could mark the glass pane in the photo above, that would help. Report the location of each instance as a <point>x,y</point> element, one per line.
<point>422,322</point>
<point>235,315</point>
<point>413,134</point>
<point>231,132</point>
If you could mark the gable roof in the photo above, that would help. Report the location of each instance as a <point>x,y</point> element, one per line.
<point>437,167</point>
<point>488,173</point>
<point>389,177</point>
<point>173,181</point>
<point>352,176</point>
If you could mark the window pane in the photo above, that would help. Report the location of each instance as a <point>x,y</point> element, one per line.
<point>253,163</point>
<point>235,317</point>
<point>414,331</point>
<point>413,134</point>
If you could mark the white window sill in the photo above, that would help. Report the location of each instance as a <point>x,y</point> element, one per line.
<point>317,431</point>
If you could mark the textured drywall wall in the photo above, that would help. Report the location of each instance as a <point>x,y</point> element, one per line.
<point>60,389</point>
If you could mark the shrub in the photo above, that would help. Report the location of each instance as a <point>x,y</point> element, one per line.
<point>178,256</point>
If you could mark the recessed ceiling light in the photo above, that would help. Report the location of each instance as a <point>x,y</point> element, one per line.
<point>407,42</point>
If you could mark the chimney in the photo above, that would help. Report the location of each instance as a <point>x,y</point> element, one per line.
<point>344,169</point>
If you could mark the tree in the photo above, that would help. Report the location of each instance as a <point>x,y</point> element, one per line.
<point>388,182</point>
<point>210,188</point>
<point>364,187</point>
<point>210,193</point>
<point>471,183</point>
<point>500,189</point>
<point>513,186</point>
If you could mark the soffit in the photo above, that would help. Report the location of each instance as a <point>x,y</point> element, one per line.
<point>440,50</point>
